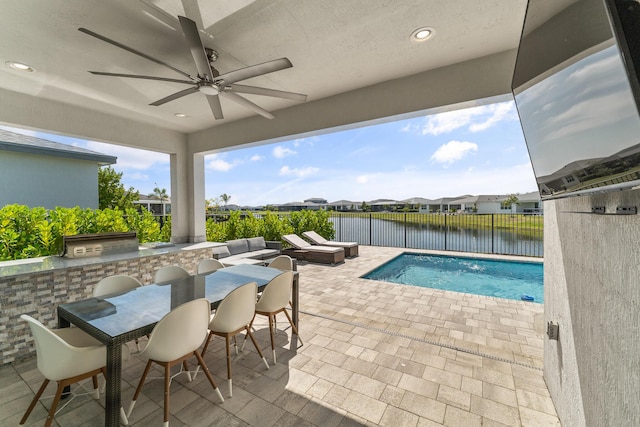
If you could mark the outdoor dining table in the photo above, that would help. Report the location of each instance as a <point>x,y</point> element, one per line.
<point>115,319</point>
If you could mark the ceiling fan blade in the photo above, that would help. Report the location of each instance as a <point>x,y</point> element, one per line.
<point>216,108</point>
<point>245,102</point>
<point>266,92</point>
<point>194,42</point>
<point>132,50</point>
<point>175,96</point>
<point>136,76</point>
<point>255,70</point>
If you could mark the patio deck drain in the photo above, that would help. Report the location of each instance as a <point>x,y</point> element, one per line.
<point>423,340</point>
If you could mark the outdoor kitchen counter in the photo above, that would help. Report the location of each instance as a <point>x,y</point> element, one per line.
<point>37,286</point>
<point>53,262</point>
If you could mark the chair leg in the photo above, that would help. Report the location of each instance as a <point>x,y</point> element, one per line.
<point>255,344</point>
<point>96,391</point>
<point>167,382</point>
<point>228,343</point>
<point>272,321</point>
<point>186,369</point>
<point>137,393</point>
<point>54,404</point>
<point>44,385</point>
<point>205,369</point>
<point>293,327</point>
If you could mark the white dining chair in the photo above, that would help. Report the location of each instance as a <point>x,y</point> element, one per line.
<point>233,316</point>
<point>274,300</point>
<point>282,262</point>
<point>174,339</point>
<point>114,284</point>
<point>169,273</point>
<point>67,356</point>
<point>209,265</point>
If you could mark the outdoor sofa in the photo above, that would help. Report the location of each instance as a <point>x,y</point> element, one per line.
<point>246,251</point>
<point>350,248</point>
<point>301,250</point>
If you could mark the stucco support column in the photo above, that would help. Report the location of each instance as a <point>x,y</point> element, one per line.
<point>197,227</point>
<point>179,190</point>
<point>187,197</point>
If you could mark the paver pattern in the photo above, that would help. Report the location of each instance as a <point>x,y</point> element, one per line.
<point>373,353</point>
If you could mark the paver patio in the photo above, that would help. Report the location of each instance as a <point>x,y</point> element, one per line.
<point>374,353</point>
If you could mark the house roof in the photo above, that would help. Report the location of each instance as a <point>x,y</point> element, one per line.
<point>10,141</point>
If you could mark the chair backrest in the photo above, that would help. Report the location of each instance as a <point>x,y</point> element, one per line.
<point>113,284</point>
<point>282,262</point>
<point>295,241</point>
<point>169,273</point>
<point>209,265</point>
<point>56,358</point>
<point>236,309</point>
<point>179,332</point>
<point>314,237</point>
<point>277,293</point>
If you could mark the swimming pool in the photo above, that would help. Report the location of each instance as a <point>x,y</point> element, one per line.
<point>488,277</point>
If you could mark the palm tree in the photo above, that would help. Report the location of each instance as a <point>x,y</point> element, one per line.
<point>225,199</point>
<point>161,194</point>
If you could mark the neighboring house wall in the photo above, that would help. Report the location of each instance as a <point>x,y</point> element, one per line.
<point>591,272</point>
<point>36,180</point>
<point>489,207</point>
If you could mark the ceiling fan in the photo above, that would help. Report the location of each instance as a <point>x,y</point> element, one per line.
<point>208,80</point>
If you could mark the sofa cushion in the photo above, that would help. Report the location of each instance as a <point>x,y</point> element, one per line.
<point>237,246</point>
<point>256,243</point>
<point>264,253</point>
<point>220,252</point>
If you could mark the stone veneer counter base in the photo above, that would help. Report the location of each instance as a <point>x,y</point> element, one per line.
<point>37,286</point>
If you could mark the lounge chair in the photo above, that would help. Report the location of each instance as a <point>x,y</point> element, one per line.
<point>302,250</point>
<point>350,248</point>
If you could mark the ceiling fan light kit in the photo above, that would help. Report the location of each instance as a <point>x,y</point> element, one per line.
<point>209,81</point>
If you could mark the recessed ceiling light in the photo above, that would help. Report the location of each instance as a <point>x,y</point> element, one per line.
<point>180,115</point>
<point>422,34</point>
<point>19,66</point>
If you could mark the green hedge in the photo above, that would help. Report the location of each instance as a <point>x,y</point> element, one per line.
<point>269,225</point>
<point>33,232</point>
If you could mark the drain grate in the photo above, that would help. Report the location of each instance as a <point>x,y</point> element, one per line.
<point>424,340</point>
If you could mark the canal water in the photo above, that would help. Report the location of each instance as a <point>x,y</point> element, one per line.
<point>380,232</point>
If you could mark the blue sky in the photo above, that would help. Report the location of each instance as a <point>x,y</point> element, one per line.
<point>478,150</point>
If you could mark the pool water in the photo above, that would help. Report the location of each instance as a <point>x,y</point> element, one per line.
<point>494,278</point>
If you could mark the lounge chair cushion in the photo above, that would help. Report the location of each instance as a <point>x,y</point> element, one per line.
<point>221,252</point>
<point>295,241</point>
<point>256,243</point>
<point>237,246</point>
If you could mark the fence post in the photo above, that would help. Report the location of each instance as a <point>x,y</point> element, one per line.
<point>492,234</point>
<point>405,229</point>
<point>445,231</point>
<point>370,229</point>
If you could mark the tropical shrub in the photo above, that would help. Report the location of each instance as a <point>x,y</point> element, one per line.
<point>32,232</point>
<point>269,225</point>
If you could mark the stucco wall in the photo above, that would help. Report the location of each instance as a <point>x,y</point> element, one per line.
<point>34,180</point>
<point>592,290</point>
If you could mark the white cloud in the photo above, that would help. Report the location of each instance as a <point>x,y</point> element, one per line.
<point>256,158</point>
<point>282,152</point>
<point>476,119</point>
<point>497,113</point>
<point>217,164</point>
<point>453,151</point>
<point>364,179</point>
<point>130,158</point>
<point>300,173</point>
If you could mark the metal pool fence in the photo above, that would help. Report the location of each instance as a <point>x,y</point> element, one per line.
<point>508,234</point>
